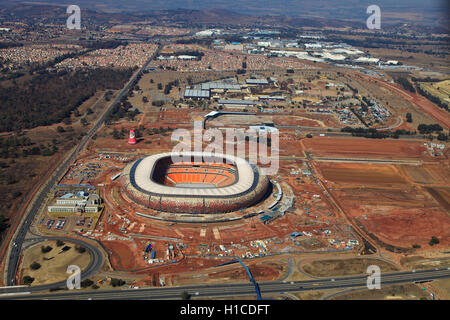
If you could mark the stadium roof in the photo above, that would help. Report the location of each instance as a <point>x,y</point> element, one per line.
<point>144,170</point>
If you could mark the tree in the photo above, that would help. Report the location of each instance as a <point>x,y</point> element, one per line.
<point>35,265</point>
<point>46,249</point>
<point>116,134</point>
<point>86,283</point>
<point>59,243</point>
<point>408,117</point>
<point>117,282</point>
<point>185,295</point>
<point>434,240</point>
<point>28,280</point>
<point>60,129</point>
<point>309,135</point>
<point>80,249</point>
<point>3,223</point>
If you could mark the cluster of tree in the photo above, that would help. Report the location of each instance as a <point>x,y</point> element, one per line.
<point>404,82</point>
<point>429,128</point>
<point>3,223</point>
<point>40,67</point>
<point>80,249</point>
<point>434,240</point>
<point>102,44</point>
<point>10,146</point>
<point>202,41</point>
<point>169,86</point>
<point>373,133</point>
<point>354,90</point>
<point>408,117</point>
<point>35,265</point>
<point>24,105</point>
<point>120,111</point>
<point>15,141</point>
<point>432,98</point>
<point>86,283</point>
<point>6,45</point>
<point>442,137</point>
<point>158,103</point>
<point>45,249</point>
<point>119,134</point>
<point>117,282</point>
<point>28,280</point>
<point>378,42</point>
<point>153,131</point>
<point>14,152</point>
<point>427,79</point>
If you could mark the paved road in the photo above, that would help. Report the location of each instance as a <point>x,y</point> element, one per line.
<point>14,255</point>
<point>240,289</point>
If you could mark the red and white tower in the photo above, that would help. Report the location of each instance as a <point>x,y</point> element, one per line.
<point>132,138</point>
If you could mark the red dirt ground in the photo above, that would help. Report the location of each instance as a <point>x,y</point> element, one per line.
<point>122,257</point>
<point>413,226</point>
<point>365,148</point>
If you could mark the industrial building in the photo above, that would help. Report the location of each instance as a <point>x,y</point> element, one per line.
<point>79,202</point>
<point>256,81</point>
<point>204,90</point>
<point>236,103</point>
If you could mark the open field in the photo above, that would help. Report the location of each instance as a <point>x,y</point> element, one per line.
<point>437,173</point>
<point>53,264</point>
<point>365,148</point>
<point>440,90</point>
<point>417,262</point>
<point>442,196</point>
<point>406,227</point>
<point>362,174</point>
<point>344,267</point>
<point>442,287</point>
<point>395,292</point>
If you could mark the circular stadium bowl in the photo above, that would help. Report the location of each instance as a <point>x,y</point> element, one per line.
<point>194,182</point>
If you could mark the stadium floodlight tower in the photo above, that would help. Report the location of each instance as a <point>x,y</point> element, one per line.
<point>132,137</point>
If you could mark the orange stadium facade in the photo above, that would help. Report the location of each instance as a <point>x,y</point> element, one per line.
<point>194,182</point>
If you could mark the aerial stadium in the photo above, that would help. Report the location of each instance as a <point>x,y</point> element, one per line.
<point>194,182</point>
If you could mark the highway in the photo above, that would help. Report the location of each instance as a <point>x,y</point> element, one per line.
<point>14,254</point>
<point>239,289</point>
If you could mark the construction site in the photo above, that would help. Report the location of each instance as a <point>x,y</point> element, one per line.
<point>333,194</point>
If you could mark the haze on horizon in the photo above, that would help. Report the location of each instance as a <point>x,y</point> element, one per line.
<point>330,9</point>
